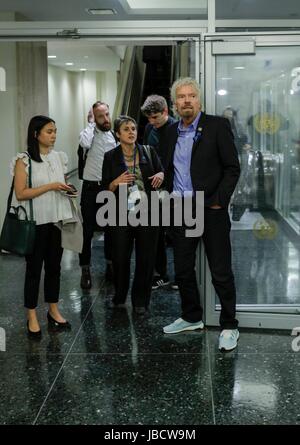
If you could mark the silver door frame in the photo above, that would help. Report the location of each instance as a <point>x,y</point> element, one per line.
<point>261,317</point>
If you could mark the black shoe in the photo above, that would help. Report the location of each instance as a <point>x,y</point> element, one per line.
<point>109,273</point>
<point>113,305</point>
<point>86,280</point>
<point>37,335</point>
<point>139,310</point>
<point>58,324</point>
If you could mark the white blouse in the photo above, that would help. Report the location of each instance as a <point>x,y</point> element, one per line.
<point>52,206</point>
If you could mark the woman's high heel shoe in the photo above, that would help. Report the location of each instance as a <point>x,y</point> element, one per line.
<point>37,335</point>
<point>57,324</point>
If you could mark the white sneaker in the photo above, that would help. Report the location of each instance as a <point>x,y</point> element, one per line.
<point>181,325</point>
<point>228,339</point>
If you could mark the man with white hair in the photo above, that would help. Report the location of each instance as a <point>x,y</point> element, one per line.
<point>202,157</point>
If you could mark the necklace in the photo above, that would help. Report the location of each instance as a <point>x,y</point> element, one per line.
<point>128,157</point>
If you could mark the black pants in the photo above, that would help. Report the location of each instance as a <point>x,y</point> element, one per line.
<point>216,238</point>
<point>145,239</point>
<point>47,251</point>
<point>89,209</point>
<point>161,254</point>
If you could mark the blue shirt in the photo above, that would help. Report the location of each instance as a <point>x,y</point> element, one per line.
<point>182,183</point>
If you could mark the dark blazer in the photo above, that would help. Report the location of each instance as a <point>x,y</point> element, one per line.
<point>215,167</point>
<point>161,147</point>
<point>113,166</point>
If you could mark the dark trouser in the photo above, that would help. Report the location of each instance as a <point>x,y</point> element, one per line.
<point>89,208</point>
<point>47,250</point>
<point>161,254</point>
<point>145,239</point>
<point>216,238</point>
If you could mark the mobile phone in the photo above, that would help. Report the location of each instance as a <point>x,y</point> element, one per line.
<point>73,191</point>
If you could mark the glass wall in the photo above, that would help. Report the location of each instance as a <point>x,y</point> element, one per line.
<point>260,95</point>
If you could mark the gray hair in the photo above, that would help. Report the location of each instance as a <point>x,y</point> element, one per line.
<point>154,104</point>
<point>183,81</point>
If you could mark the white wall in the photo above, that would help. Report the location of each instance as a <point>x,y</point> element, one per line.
<point>65,107</point>
<point>89,89</point>
<point>110,90</point>
<point>8,121</point>
<point>71,95</point>
<point>32,80</point>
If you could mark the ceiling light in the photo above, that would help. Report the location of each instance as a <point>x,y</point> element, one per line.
<point>51,57</point>
<point>226,78</point>
<point>69,63</point>
<point>222,92</point>
<point>292,92</point>
<point>101,11</point>
<point>82,69</point>
<point>239,67</point>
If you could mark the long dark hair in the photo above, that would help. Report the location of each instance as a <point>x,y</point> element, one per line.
<point>35,125</point>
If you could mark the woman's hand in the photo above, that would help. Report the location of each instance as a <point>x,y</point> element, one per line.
<point>157,180</point>
<point>124,178</point>
<point>59,186</point>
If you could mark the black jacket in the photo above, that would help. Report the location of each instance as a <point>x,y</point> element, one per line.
<point>113,166</point>
<point>215,167</point>
<point>161,133</point>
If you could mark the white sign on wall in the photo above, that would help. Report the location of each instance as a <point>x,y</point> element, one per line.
<point>2,340</point>
<point>2,79</point>
<point>296,81</point>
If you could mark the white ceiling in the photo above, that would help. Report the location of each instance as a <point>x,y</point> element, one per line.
<point>86,55</point>
<point>103,58</point>
<point>75,10</point>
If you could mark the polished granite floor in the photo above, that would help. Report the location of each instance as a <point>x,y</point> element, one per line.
<point>114,368</point>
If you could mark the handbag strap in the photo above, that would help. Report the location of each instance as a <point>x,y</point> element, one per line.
<point>9,200</point>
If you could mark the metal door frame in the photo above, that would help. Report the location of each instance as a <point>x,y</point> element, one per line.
<point>262,318</point>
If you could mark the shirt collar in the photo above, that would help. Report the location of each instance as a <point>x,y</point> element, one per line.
<point>192,126</point>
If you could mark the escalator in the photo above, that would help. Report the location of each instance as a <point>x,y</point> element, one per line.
<point>150,72</point>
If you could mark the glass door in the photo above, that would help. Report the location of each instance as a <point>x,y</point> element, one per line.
<point>255,84</point>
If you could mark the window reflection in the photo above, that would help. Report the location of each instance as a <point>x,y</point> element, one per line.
<point>262,105</point>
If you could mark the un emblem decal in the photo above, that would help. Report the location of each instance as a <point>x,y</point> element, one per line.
<point>265,229</point>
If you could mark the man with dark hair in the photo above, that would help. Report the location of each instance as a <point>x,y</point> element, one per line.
<point>96,139</point>
<point>155,108</point>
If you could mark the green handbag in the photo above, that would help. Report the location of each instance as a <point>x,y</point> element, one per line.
<point>18,235</point>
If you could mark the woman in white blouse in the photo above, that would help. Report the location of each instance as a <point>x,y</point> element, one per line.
<point>50,206</point>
